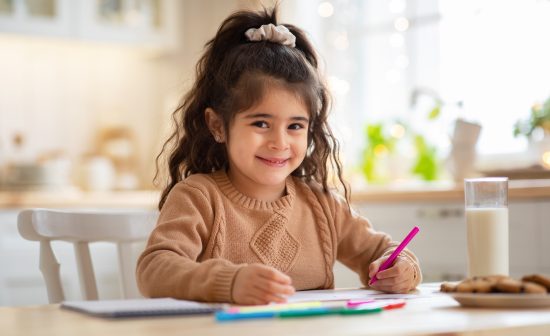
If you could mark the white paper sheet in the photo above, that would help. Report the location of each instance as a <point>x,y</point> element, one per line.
<point>356,294</point>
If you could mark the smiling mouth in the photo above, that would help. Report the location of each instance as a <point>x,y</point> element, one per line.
<point>273,162</point>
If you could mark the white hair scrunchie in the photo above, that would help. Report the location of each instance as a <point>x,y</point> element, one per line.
<point>270,32</point>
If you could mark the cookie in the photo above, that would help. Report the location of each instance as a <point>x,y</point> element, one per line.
<point>509,286</point>
<point>489,278</point>
<point>529,284</point>
<point>533,288</point>
<point>516,287</point>
<point>448,287</point>
<point>538,279</point>
<point>474,286</point>
<point>493,278</point>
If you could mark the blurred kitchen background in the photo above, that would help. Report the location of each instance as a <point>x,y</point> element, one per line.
<point>87,87</point>
<point>425,93</point>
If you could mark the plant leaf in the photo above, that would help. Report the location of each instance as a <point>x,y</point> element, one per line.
<point>435,112</point>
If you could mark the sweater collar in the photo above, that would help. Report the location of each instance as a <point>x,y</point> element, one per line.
<point>229,190</point>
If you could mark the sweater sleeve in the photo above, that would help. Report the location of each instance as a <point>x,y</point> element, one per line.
<point>169,266</point>
<point>359,244</point>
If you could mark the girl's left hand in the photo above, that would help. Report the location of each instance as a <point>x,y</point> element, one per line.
<point>399,278</point>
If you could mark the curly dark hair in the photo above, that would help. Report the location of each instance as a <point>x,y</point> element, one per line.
<point>231,76</point>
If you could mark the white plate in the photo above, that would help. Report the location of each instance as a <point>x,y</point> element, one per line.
<point>500,300</point>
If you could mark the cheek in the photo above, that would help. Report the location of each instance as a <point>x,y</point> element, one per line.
<point>301,145</point>
<point>241,143</point>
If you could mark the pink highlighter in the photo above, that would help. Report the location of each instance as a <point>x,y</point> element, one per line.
<point>395,253</point>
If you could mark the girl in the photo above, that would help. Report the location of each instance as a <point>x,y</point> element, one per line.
<point>247,216</point>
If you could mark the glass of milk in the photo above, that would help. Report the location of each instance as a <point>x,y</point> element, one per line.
<point>486,202</point>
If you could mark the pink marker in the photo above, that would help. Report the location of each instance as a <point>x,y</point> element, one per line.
<point>355,303</point>
<point>380,303</point>
<point>395,253</point>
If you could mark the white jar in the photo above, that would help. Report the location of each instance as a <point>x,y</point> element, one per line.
<point>98,174</point>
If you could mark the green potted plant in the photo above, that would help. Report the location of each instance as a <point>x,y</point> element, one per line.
<point>378,144</point>
<point>538,120</point>
<point>536,129</point>
<point>381,143</point>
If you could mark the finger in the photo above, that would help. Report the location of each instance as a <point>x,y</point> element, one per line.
<point>375,266</point>
<point>386,274</point>
<point>390,277</point>
<point>272,274</point>
<point>403,288</point>
<point>400,268</point>
<point>398,284</point>
<point>393,284</point>
<point>274,288</point>
<point>254,300</point>
<point>263,297</point>
<point>275,298</point>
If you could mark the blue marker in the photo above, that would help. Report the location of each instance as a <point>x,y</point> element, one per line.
<point>231,316</point>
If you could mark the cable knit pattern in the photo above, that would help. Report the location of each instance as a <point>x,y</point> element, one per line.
<point>325,236</point>
<point>218,239</point>
<point>274,245</point>
<point>207,230</point>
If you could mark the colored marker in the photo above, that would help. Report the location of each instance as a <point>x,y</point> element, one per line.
<point>382,303</point>
<point>395,305</point>
<point>360,310</point>
<point>356,303</point>
<point>275,307</point>
<point>293,313</point>
<point>224,316</point>
<point>328,311</point>
<point>395,253</point>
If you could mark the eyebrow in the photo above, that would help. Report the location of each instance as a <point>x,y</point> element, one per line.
<point>269,116</point>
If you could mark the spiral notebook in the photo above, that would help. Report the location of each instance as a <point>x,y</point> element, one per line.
<point>141,307</point>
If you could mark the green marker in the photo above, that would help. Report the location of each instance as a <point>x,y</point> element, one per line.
<point>358,311</point>
<point>318,311</point>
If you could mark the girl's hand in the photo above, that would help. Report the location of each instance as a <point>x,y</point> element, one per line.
<point>258,284</point>
<point>399,278</point>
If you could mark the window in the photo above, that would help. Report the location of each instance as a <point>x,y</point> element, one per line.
<point>391,60</point>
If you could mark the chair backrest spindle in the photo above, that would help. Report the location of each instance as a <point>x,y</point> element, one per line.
<point>123,228</point>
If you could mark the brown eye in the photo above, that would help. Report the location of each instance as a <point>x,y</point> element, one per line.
<point>260,124</point>
<point>295,126</point>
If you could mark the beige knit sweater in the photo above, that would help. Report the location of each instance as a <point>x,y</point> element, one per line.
<point>207,230</point>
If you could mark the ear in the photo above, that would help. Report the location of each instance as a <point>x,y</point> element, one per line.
<point>215,124</point>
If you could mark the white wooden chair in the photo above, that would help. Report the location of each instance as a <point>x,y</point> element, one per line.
<point>82,228</point>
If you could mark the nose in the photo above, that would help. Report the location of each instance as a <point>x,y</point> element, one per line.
<point>279,139</point>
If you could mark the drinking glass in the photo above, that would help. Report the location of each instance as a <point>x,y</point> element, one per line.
<point>486,205</point>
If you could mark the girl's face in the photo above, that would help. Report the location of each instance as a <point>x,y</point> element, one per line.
<point>266,143</point>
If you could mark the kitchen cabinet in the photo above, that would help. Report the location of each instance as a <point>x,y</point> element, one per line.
<point>48,17</point>
<point>544,237</point>
<point>134,22</point>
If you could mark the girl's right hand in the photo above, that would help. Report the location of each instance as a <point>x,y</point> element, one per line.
<point>258,284</point>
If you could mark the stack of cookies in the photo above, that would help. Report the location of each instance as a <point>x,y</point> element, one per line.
<point>529,284</point>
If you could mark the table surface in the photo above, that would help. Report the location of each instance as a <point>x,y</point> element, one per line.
<point>437,314</point>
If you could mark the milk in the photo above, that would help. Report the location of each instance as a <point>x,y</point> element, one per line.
<point>487,230</point>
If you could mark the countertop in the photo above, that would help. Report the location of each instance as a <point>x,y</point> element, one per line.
<point>143,199</point>
<point>435,192</point>
<point>148,199</point>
